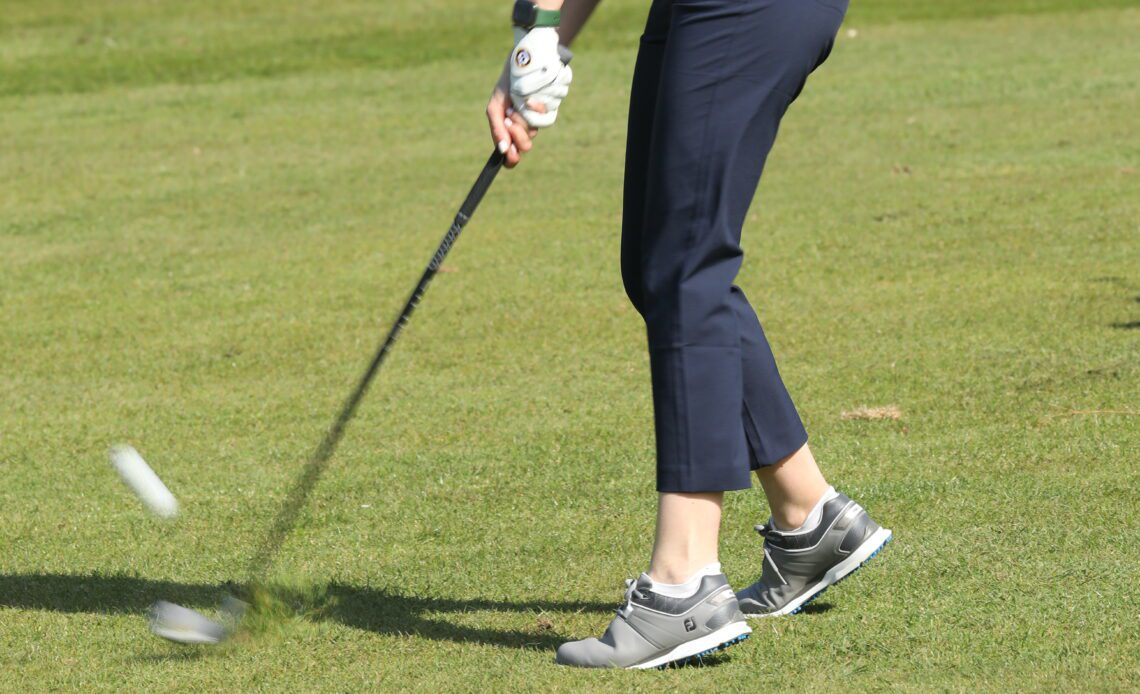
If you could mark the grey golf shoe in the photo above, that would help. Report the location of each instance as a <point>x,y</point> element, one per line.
<point>799,566</point>
<point>653,631</point>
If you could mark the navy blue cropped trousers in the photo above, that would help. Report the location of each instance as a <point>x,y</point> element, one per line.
<point>712,81</point>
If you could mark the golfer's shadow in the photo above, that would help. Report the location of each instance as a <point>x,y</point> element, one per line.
<point>372,609</point>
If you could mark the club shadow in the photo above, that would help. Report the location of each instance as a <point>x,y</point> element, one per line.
<point>372,609</point>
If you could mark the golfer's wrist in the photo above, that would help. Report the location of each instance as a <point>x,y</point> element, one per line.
<point>532,14</point>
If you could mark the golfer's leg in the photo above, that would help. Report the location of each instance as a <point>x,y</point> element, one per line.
<point>700,312</point>
<point>719,106</point>
<point>688,532</point>
<point>692,309</point>
<point>771,424</point>
<point>777,440</point>
<point>684,606</point>
<point>797,38</point>
<point>731,68</point>
<point>687,525</point>
<point>794,486</point>
<point>819,536</point>
<point>695,365</point>
<point>690,255</point>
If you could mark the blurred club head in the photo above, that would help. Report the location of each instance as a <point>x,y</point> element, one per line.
<point>183,625</point>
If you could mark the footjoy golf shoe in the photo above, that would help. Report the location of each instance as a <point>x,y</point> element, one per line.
<point>653,631</point>
<point>799,565</point>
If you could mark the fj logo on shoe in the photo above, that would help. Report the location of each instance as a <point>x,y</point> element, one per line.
<point>522,58</point>
<point>690,624</point>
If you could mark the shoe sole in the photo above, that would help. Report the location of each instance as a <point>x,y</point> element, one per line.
<point>862,554</point>
<point>698,648</point>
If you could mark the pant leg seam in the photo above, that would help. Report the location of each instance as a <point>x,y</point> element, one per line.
<point>751,432</point>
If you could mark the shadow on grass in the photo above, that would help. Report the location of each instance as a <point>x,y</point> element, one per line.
<point>372,609</point>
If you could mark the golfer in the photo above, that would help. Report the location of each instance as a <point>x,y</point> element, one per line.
<point>712,81</point>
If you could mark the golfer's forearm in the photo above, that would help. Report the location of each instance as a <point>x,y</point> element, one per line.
<point>574,16</point>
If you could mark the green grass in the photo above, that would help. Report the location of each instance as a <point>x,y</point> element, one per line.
<point>211,211</point>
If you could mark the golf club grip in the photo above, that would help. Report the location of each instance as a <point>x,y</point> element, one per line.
<point>482,184</point>
<point>291,508</point>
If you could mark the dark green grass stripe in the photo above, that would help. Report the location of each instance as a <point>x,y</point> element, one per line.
<point>85,53</point>
<point>98,65</point>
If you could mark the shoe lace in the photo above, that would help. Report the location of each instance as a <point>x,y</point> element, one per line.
<point>631,591</point>
<point>764,530</point>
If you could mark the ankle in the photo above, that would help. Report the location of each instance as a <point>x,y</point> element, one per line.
<point>671,575</point>
<point>794,486</point>
<point>682,572</point>
<point>688,525</point>
<point>791,515</point>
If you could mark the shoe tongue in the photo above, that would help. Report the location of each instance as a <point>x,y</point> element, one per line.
<point>644,582</point>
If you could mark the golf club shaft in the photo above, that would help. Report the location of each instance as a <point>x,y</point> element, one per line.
<point>287,517</point>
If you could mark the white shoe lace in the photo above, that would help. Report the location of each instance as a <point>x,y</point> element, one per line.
<point>631,591</point>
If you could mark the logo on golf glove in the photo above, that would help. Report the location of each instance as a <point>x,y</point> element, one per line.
<point>522,57</point>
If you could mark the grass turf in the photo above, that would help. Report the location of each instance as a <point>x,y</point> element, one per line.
<point>211,211</point>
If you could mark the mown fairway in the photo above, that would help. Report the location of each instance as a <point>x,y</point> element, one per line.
<point>210,212</point>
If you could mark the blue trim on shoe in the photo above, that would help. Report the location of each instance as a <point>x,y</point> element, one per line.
<point>863,563</point>
<point>698,656</point>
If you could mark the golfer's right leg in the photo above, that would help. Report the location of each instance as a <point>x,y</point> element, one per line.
<point>816,536</point>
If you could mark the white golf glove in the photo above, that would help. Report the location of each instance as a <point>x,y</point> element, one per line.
<point>540,74</point>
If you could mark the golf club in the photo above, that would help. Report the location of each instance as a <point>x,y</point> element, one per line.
<point>183,625</point>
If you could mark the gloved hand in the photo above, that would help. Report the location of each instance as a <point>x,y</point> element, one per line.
<point>540,74</point>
